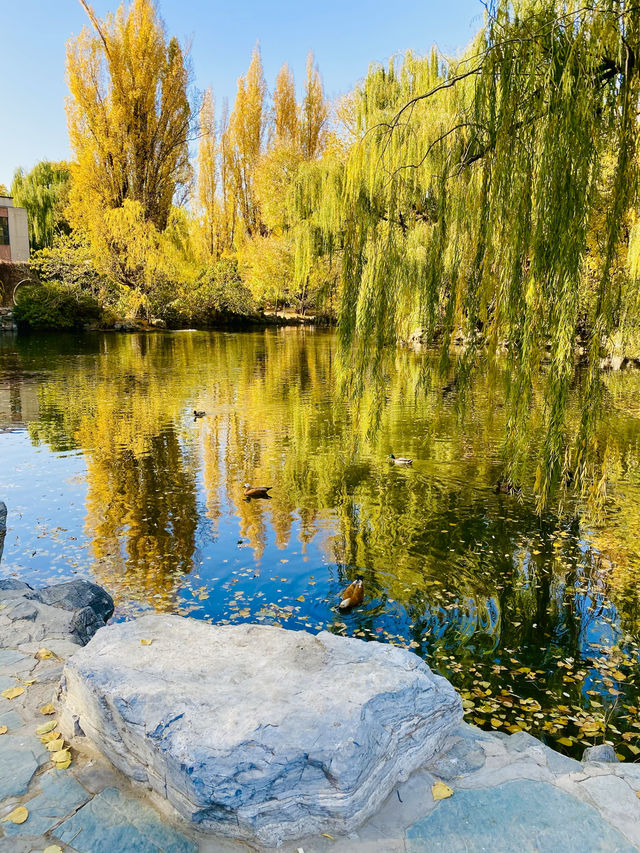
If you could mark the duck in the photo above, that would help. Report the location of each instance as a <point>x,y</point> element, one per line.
<point>198,414</point>
<point>400,460</point>
<point>353,595</point>
<point>506,487</point>
<point>256,491</point>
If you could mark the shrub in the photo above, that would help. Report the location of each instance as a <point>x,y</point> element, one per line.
<point>217,292</point>
<point>55,306</point>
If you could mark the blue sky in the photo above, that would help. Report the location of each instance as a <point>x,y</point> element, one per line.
<point>345,35</point>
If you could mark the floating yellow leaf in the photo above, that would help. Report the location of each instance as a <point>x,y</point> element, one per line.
<point>12,692</point>
<point>61,756</point>
<point>44,654</point>
<point>440,791</point>
<point>56,745</point>
<point>146,642</point>
<point>3,730</point>
<point>47,709</point>
<point>18,815</point>
<point>46,727</point>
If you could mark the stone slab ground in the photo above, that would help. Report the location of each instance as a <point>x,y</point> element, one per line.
<point>511,794</point>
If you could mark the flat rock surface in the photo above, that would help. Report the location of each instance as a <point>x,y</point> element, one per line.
<point>524,816</point>
<point>114,823</point>
<point>255,731</point>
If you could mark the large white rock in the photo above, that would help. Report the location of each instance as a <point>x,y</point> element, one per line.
<point>257,732</point>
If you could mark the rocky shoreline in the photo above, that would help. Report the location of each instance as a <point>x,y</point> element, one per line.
<point>480,791</point>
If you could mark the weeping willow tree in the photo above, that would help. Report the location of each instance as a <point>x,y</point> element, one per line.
<point>491,200</point>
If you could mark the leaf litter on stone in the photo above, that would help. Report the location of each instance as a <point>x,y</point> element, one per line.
<point>440,791</point>
<point>18,815</point>
<point>46,727</point>
<point>13,692</point>
<point>47,709</point>
<point>146,642</point>
<point>55,745</point>
<point>44,654</point>
<point>3,730</point>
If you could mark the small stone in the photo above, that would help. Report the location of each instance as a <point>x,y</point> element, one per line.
<point>602,752</point>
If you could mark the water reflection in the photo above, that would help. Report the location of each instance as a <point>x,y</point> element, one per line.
<point>534,619</point>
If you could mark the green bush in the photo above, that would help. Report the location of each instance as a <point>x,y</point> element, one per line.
<point>55,306</point>
<point>217,293</point>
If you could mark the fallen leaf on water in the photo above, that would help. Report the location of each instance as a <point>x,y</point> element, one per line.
<point>47,709</point>
<point>146,642</point>
<point>3,730</point>
<point>56,745</point>
<point>18,815</point>
<point>440,791</point>
<point>53,848</point>
<point>46,727</point>
<point>44,654</point>
<point>12,692</point>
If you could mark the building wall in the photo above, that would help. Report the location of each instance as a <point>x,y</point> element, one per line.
<point>19,234</point>
<point>18,248</point>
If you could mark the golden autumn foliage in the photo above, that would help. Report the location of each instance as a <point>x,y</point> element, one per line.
<point>244,139</point>
<point>129,119</point>
<point>207,175</point>
<point>285,108</point>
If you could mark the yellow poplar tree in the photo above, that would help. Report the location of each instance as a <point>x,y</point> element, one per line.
<point>227,181</point>
<point>285,108</point>
<point>314,113</point>
<point>207,174</point>
<point>129,117</point>
<point>246,132</point>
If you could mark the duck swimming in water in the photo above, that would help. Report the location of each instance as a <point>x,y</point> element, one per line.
<point>353,595</point>
<point>400,460</point>
<point>256,491</point>
<point>198,414</point>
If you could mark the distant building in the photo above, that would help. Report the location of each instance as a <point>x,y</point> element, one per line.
<point>14,232</point>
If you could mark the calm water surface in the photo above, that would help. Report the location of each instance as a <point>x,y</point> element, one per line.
<point>107,476</point>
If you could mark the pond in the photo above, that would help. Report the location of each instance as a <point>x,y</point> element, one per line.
<point>107,475</point>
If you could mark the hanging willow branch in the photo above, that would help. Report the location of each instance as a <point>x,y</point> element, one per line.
<point>491,199</point>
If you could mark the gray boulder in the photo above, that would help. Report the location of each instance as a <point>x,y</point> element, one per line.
<point>67,611</point>
<point>257,732</point>
<point>601,752</point>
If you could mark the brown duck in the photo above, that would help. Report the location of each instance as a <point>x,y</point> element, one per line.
<point>256,491</point>
<point>353,595</point>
